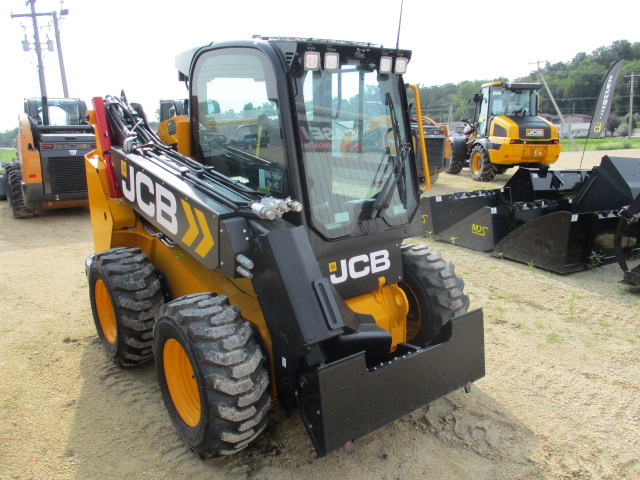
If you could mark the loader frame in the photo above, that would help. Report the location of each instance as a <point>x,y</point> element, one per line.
<point>204,231</point>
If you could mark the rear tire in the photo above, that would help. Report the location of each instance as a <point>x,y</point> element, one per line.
<point>435,293</point>
<point>482,170</point>
<point>457,149</point>
<point>14,193</point>
<point>3,196</point>
<point>125,295</point>
<point>211,374</point>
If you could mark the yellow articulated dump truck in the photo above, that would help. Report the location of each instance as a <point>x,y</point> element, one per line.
<point>256,259</point>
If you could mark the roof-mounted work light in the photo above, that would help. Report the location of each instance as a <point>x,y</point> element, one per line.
<point>312,60</point>
<point>385,65</point>
<point>401,65</point>
<point>331,61</point>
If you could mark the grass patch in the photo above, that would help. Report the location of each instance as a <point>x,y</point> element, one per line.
<point>9,402</point>
<point>609,143</point>
<point>554,338</point>
<point>7,155</point>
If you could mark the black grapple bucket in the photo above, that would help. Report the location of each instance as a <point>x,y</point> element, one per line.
<point>559,220</point>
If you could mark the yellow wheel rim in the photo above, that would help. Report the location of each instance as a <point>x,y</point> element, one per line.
<point>181,382</point>
<point>106,314</point>
<point>414,317</point>
<point>476,163</point>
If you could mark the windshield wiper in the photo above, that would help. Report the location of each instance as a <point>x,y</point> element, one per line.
<point>396,177</point>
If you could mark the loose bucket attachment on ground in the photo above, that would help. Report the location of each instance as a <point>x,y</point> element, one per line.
<point>560,220</point>
<point>625,252</point>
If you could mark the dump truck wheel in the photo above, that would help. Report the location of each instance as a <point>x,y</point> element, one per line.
<point>125,295</point>
<point>14,193</point>
<point>482,170</point>
<point>456,161</point>
<point>211,373</point>
<point>435,293</point>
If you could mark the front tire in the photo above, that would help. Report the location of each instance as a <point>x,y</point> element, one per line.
<point>125,295</point>
<point>482,170</point>
<point>435,293</point>
<point>211,373</point>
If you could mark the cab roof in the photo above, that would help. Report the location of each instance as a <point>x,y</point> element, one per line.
<point>515,85</point>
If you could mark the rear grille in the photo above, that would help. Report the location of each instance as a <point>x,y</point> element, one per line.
<point>67,175</point>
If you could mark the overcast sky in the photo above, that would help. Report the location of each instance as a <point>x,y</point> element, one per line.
<point>131,44</point>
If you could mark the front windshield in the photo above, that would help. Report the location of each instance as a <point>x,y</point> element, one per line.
<point>355,161</point>
<point>62,111</point>
<point>513,102</point>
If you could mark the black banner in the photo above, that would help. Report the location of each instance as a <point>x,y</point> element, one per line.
<point>605,99</point>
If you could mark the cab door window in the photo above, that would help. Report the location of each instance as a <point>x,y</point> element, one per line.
<point>236,119</point>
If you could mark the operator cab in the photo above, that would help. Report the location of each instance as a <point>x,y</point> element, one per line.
<point>56,111</point>
<point>503,98</point>
<point>348,156</point>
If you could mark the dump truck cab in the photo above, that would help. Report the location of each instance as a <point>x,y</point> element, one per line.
<point>53,138</point>
<point>506,131</point>
<point>283,189</point>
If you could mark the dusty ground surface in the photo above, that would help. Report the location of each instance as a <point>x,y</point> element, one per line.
<point>560,398</point>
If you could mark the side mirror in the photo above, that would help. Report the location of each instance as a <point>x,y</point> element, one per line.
<point>477,98</point>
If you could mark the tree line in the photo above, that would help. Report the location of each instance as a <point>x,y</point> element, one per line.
<point>8,138</point>
<point>575,85</point>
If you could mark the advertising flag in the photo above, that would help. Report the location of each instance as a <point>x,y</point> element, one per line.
<point>605,99</point>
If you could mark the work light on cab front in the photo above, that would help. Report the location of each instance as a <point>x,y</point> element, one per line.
<point>331,61</point>
<point>385,65</point>
<point>401,65</point>
<point>312,61</point>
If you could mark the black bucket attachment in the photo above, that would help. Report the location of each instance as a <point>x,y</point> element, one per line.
<point>345,400</point>
<point>469,219</point>
<point>627,244</point>
<point>559,220</point>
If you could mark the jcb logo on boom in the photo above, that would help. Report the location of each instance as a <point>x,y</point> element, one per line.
<point>359,266</point>
<point>139,186</point>
<point>162,205</point>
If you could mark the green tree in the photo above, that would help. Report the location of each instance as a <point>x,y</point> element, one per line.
<point>8,138</point>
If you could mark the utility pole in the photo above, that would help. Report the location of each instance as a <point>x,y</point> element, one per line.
<point>36,35</point>
<point>63,75</point>
<point>553,100</point>
<point>632,83</point>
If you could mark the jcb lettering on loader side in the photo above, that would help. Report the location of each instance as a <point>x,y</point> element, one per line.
<point>139,186</point>
<point>360,266</point>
